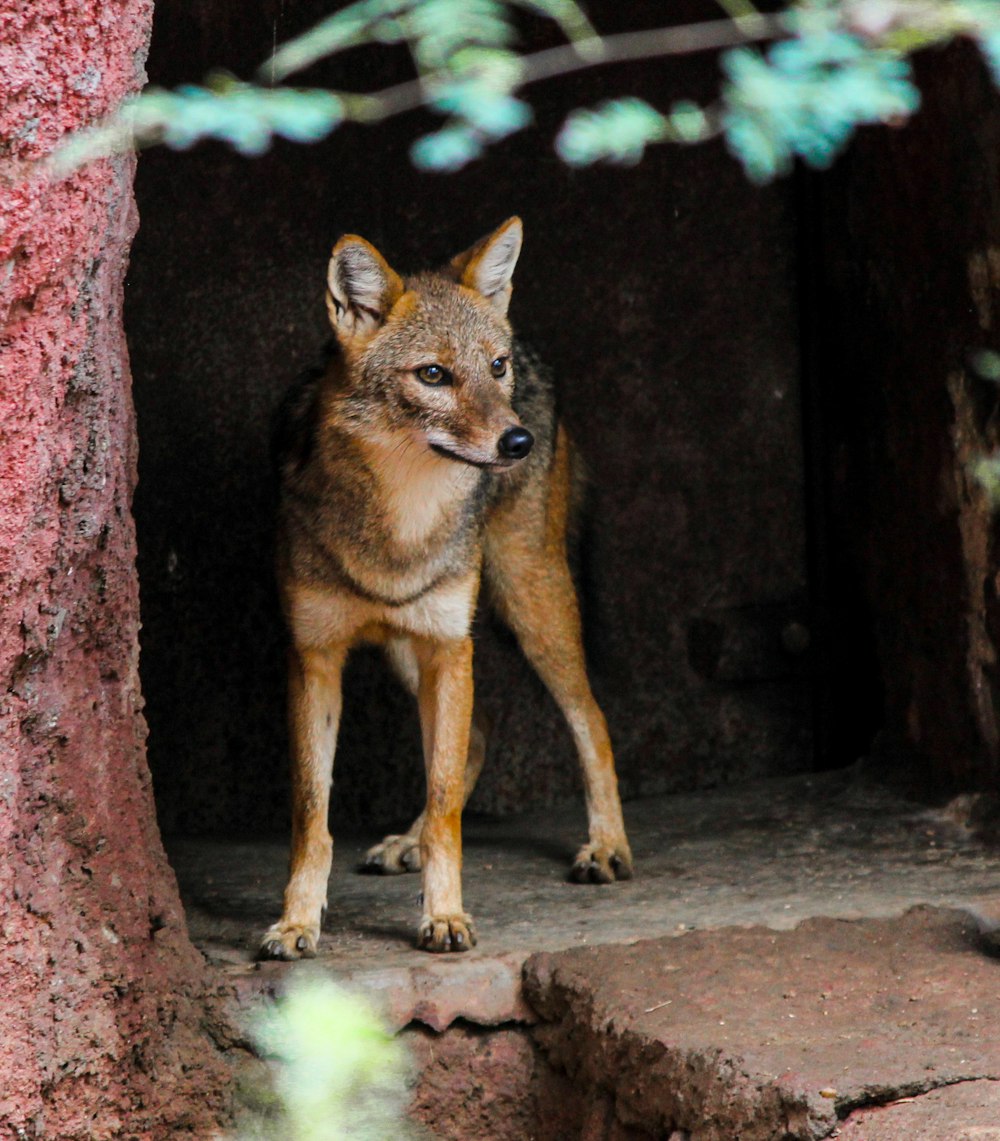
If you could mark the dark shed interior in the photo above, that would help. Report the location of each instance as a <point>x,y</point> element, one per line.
<point>786,561</point>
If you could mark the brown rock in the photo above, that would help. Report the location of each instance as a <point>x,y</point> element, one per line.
<point>743,1033</point>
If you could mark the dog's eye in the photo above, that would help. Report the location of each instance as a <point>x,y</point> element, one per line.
<point>498,367</point>
<point>434,374</point>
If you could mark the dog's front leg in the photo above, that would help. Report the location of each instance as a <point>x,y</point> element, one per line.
<point>445,697</point>
<point>314,703</point>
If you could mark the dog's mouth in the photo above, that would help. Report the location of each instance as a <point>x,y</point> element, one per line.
<point>485,465</point>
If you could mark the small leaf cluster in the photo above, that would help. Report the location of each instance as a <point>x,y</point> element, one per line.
<point>245,116</point>
<point>476,93</point>
<point>335,1072</point>
<point>985,470</point>
<point>464,54</point>
<point>619,131</point>
<point>464,50</point>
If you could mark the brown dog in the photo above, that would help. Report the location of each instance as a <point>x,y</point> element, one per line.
<point>426,458</point>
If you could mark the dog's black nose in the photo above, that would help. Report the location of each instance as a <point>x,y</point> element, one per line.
<point>515,443</point>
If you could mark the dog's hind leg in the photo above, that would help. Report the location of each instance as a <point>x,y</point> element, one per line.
<point>532,589</point>
<point>401,853</point>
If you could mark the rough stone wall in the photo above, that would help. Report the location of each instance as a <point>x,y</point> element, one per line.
<point>663,297</point>
<point>912,234</point>
<point>99,1022</point>
<point>495,1082</point>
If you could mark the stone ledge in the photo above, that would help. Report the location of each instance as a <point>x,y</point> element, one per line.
<point>865,1030</point>
<point>486,990</point>
<point>760,1034</point>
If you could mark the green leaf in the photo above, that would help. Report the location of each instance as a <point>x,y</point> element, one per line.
<point>336,1072</point>
<point>617,131</point>
<point>986,364</point>
<point>490,113</point>
<point>989,45</point>
<point>689,122</point>
<point>449,149</point>
<point>985,470</point>
<point>438,29</point>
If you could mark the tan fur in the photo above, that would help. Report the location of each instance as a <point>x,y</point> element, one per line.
<point>398,495</point>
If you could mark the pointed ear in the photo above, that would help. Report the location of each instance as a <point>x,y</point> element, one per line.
<point>361,288</point>
<point>488,266</point>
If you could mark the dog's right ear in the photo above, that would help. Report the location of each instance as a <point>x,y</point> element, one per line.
<point>361,288</point>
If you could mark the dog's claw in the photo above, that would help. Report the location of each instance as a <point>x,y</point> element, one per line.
<point>446,933</point>
<point>288,944</point>
<point>621,868</point>
<point>595,864</point>
<point>394,855</point>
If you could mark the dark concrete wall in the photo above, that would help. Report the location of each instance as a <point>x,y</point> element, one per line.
<point>910,226</point>
<point>663,296</point>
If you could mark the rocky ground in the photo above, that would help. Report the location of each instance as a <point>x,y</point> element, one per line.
<point>804,958</point>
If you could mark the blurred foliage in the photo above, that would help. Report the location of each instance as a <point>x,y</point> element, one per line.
<point>335,1073</point>
<point>985,469</point>
<point>827,67</point>
<point>806,96</point>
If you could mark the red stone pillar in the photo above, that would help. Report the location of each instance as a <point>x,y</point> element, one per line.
<point>100,989</point>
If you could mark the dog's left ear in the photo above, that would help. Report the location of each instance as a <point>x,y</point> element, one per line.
<point>488,266</point>
<point>361,289</point>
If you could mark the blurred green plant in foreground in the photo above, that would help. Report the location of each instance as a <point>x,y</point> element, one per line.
<point>334,1072</point>
<point>796,82</point>
<point>985,469</point>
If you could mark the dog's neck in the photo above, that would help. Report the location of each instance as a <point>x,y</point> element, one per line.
<point>418,489</point>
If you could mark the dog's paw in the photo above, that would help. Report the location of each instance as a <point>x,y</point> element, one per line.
<point>395,854</point>
<point>446,933</point>
<point>597,864</point>
<point>289,941</point>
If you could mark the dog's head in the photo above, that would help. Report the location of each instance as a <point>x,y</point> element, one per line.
<point>430,356</point>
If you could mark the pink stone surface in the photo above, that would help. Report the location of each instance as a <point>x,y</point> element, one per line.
<point>475,1083</point>
<point>99,1028</point>
<point>966,1112</point>
<point>760,1034</point>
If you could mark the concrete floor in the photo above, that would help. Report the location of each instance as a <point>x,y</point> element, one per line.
<point>774,853</point>
<point>709,866</point>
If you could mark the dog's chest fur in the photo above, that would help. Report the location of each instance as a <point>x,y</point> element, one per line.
<point>386,517</point>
